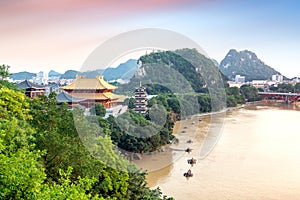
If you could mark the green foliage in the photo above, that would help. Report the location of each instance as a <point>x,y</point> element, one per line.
<point>250,93</point>
<point>105,170</point>
<point>183,105</point>
<point>234,97</point>
<point>98,109</point>
<point>79,189</point>
<point>13,104</point>
<point>153,89</point>
<point>4,83</point>
<point>297,87</point>
<point>130,102</point>
<point>47,162</point>
<point>22,175</point>
<point>285,88</point>
<point>58,135</point>
<point>204,102</point>
<point>180,106</point>
<point>231,101</point>
<point>138,188</point>
<point>164,72</point>
<point>134,133</point>
<point>4,71</point>
<point>20,172</point>
<point>184,77</point>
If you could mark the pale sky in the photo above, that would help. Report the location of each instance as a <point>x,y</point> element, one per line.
<point>60,35</point>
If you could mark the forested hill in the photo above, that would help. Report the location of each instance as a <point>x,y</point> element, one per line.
<point>181,70</point>
<point>246,63</point>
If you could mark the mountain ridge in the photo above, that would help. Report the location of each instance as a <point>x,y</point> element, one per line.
<point>123,71</point>
<point>245,63</point>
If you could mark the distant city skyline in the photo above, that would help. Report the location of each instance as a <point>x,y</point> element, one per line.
<point>43,35</point>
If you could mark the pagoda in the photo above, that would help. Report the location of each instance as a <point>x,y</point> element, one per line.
<point>93,90</point>
<point>140,96</point>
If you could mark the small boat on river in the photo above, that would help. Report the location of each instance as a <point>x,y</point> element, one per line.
<point>188,150</point>
<point>192,161</point>
<point>189,141</point>
<point>188,174</point>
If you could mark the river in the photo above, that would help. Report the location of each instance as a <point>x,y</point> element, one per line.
<point>256,157</point>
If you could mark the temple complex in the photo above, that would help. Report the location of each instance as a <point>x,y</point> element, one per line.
<point>64,97</point>
<point>93,90</point>
<point>31,89</point>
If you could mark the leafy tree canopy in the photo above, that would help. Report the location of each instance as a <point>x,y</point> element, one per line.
<point>4,71</point>
<point>98,109</point>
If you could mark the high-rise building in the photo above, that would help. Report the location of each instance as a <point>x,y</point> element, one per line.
<point>41,78</point>
<point>239,79</point>
<point>277,78</point>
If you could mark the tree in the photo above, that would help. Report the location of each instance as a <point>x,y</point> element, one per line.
<point>22,175</point>
<point>285,88</point>
<point>250,93</point>
<point>173,103</point>
<point>234,97</point>
<point>130,102</point>
<point>70,140</point>
<point>4,71</point>
<point>80,189</point>
<point>98,109</point>
<point>204,102</point>
<point>48,161</point>
<point>138,188</point>
<point>297,87</point>
<point>231,101</point>
<point>20,172</point>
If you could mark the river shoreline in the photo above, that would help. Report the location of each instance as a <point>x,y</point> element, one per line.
<point>189,119</point>
<point>194,128</point>
<point>247,163</point>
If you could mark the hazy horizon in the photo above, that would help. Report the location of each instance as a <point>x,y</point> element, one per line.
<point>40,36</point>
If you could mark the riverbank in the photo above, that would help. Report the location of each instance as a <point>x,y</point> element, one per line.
<point>195,128</point>
<point>184,126</point>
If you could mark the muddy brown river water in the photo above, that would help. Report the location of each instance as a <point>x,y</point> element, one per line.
<point>257,156</point>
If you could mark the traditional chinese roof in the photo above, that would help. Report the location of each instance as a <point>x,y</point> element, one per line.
<point>82,83</point>
<point>27,84</point>
<point>65,97</point>
<point>94,96</point>
<point>118,98</point>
